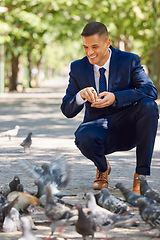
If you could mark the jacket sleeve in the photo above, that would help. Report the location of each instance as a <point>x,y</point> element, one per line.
<point>69,106</point>
<point>142,86</point>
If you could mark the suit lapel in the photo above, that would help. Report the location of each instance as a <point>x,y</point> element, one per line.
<point>113,69</point>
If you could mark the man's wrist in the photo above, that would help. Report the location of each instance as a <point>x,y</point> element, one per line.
<point>115,104</point>
<point>79,99</point>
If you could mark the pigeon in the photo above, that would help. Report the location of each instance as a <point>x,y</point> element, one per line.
<point>85,224</point>
<point>104,218</point>
<point>26,230</point>
<point>130,196</point>
<point>41,194</point>
<point>40,191</point>
<point>12,186</point>
<point>10,133</point>
<point>146,190</point>
<point>55,175</point>
<point>24,200</point>
<point>59,214</point>
<point>5,208</point>
<point>111,203</point>
<point>12,221</point>
<point>150,213</point>
<point>27,142</point>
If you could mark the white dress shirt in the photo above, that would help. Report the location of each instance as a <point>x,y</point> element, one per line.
<point>79,99</point>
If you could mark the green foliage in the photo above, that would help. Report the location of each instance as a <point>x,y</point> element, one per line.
<point>52,28</point>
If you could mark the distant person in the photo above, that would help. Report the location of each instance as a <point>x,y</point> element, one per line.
<point>120,108</point>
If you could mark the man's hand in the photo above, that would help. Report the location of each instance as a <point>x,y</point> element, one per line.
<point>89,94</point>
<point>108,100</point>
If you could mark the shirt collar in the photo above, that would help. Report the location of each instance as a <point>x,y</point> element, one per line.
<point>106,65</point>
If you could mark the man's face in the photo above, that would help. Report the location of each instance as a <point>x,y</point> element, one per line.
<point>96,49</point>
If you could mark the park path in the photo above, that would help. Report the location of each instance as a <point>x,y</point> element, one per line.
<point>38,111</point>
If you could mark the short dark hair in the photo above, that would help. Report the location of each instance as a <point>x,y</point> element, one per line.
<point>94,28</point>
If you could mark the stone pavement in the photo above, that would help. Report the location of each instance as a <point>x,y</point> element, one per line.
<point>38,111</point>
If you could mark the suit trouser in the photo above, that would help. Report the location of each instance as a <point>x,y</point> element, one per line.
<point>134,126</point>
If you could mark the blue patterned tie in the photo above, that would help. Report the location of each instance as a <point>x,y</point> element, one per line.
<point>102,80</point>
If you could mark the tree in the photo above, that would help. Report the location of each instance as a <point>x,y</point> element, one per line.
<point>33,27</point>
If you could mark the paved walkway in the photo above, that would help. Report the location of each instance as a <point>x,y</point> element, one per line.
<point>38,110</point>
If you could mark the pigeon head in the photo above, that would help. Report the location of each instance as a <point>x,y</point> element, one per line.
<point>17,127</point>
<point>88,195</point>
<point>105,191</point>
<point>78,206</point>
<point>45,167</point>
<point>20,187</point>
<point>16,178</point>
<point>141,202</point>
<point>91,201</point>
<point>49,197</point>
<point>141,178</point>
<point>119,185</point>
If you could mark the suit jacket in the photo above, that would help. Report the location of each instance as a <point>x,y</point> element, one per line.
<point>127,80</point>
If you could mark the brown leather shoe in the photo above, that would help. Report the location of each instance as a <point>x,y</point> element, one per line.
<point>101,180</point>
<point>136,184</point>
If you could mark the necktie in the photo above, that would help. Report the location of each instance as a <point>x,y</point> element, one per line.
<point>102,80</point>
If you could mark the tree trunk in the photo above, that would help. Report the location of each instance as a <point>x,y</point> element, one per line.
<point>29,68</point>
<point>39,74</point>
<point>15,70</point>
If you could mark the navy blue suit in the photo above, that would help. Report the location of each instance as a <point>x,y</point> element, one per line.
<point>109,129</point>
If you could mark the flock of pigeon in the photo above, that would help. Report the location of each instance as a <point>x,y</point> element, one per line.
<point>103,211</point>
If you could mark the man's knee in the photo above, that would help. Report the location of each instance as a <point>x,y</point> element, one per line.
<point>148,107</point>
<point>83,136</point>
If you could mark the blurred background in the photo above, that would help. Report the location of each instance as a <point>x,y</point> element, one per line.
<point>39,38</point>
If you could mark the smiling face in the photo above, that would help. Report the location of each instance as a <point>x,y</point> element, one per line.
<point>96,48</point>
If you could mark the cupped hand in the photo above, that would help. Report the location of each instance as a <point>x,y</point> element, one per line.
<point>104,99</point>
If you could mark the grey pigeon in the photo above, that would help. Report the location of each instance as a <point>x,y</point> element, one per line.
<point>146,190</point>
<point>12,221</point>
<point>41,194</point>
<point>26,230</point>
<point>56,174</point>
<point>130,196</point>
<point>112,203</point>
<point>85,224</point>
<point>105,219</point>
<point>99,198</point>
<point>150,214</point>
<point>40,187</point>
<point>59,214</point>
<point>10,133</point>
<point>27,142</point>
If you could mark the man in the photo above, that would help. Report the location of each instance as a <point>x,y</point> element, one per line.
<point>120,111</point>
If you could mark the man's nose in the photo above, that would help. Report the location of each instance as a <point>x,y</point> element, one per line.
<point>90,51</point>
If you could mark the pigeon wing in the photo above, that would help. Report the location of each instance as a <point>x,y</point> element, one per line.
<point>60,170</point>
<point>31,169</point>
